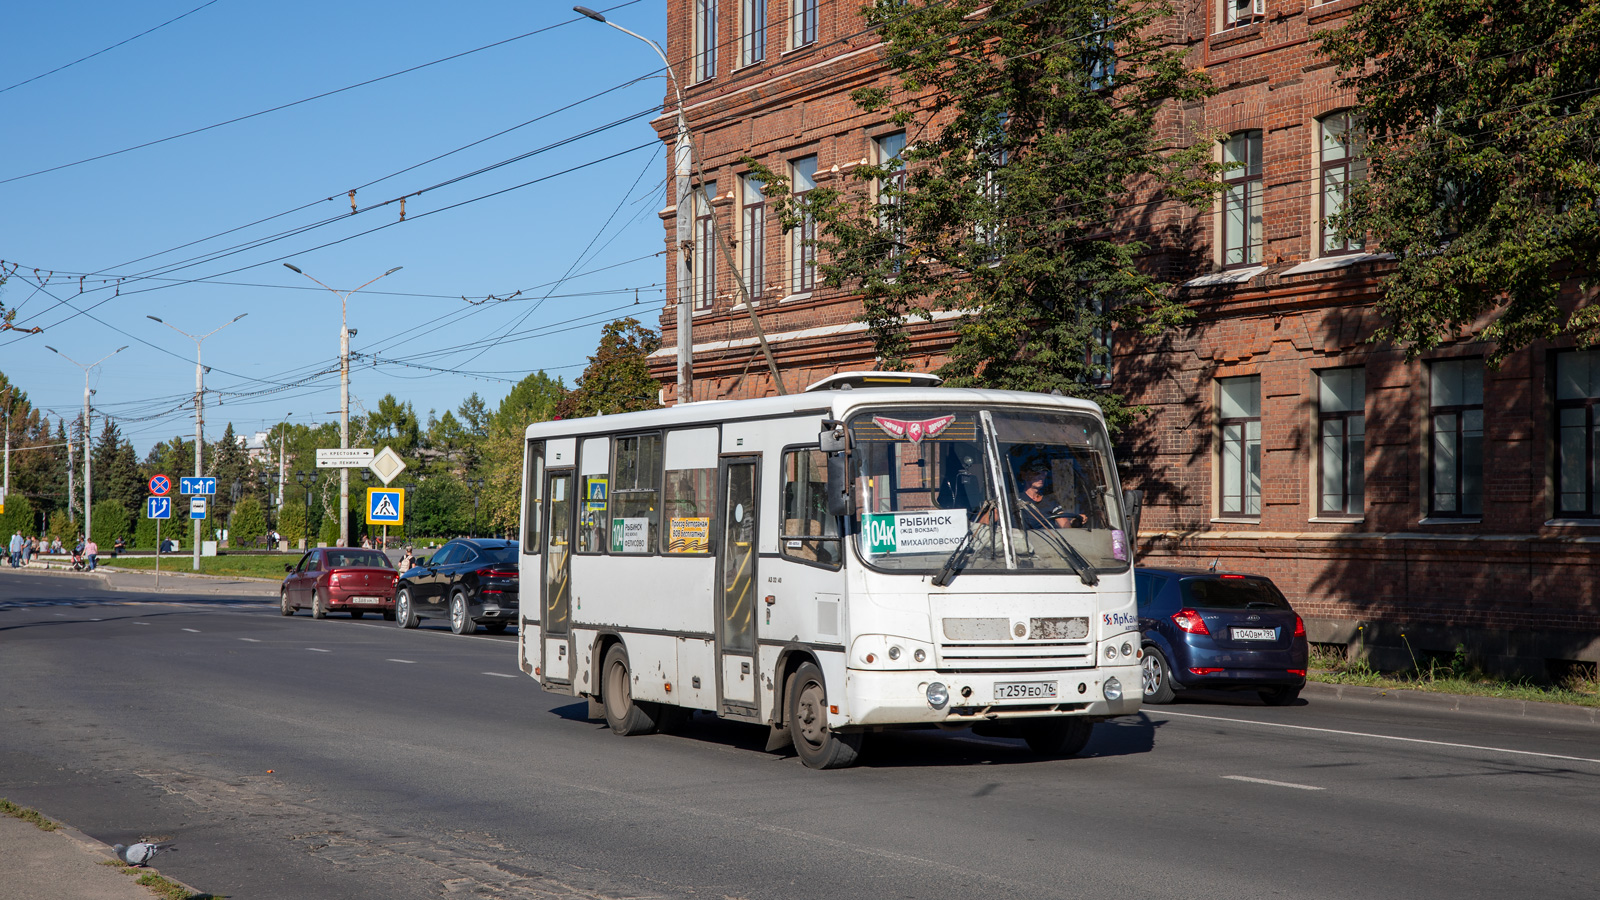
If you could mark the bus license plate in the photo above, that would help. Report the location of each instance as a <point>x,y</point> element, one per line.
<point>365,600</point>
<point>1255,634</point>
<point>1024,690</point>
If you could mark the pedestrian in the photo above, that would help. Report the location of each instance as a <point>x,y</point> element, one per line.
<point>14,549</point>
<point>118,548</point>
<point>407,561</point>
<point>92,550</point>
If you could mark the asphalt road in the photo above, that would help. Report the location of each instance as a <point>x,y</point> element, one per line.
<point>293,758</point>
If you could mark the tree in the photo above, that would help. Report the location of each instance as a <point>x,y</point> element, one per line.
<point>395,423</point>
<point>1483,150</point>
<point>617,378</point>
<point>19,516</point>
<point>533,399</point>
<point>228,463</point>
<point>474,415</point>
<point>111,521</point>
<point>248,523</point>
<point>116,473</point>
<point>1031,128</point>
<point>292,523</point>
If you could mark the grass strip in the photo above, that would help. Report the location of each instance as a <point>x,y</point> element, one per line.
<point>159,884</point>
<point>27,815</point>
<point>1458,676</point>
<point>253,566</point>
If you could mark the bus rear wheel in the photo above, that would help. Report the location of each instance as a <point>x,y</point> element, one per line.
<point>1058,737</point>
<point>625,715</point>
<point>818,746</point>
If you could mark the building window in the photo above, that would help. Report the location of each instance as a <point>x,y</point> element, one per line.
<point>1343,164</point>
<point>1241,199</point>
<point>802,23</point>
<point>753,235</point>
<point>1240,420</point>
<point>1236,13</point>
<point>1100,337</point>
<point>1577,437</point>
<point>705,39</point>
<point>1455,408</point>
<point>752,32</point>
<point>1342,429</point>
<point>802,238</point>
<point>993,146</point>
<point>705,248</point>
<point>890,150</point>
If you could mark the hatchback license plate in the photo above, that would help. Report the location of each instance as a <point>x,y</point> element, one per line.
<point>1024,690</point>
<point>366,600</point>
<point>1255,634</point>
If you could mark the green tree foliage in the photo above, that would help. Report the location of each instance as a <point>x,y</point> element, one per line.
<point>61,527</point>
<point>227,462</point>
<point>329,532</point>
<point>441,506</point>
<point>144,533</point>
<point>19,516</point>
<point>38,463</point>
<point>534,399</point>
<point>292,523</point>
<point>111,521</point>
<point>247,524</point>
<point>1483,128</point>
<point>117,476</point>
<point>1031,126</point>
<point>394,423</point>
<point>617,379</point>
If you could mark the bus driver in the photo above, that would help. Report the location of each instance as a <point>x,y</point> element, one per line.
<point>1041,509</point>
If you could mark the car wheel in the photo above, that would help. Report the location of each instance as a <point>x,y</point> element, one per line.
<point>404,615</point>
<point>1156,677</point>
<point>818,746</point>
<point>623,714</point>
<point>460,622</point>
<point>1058,737</point>
<point>319,606</point>
<point>496,627</point>
<point>1284,695</point>
<point>284,608</point>
<point>357,613</point>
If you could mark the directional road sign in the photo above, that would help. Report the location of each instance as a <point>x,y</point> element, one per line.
<point>158,507</point>
<point>192,486</point>
<point>386,506</point>
<point>159,485</point>
<point>197,507</point>
<point>344,458</point>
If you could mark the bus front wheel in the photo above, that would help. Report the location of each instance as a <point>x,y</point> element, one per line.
<point>818,746</point>
<point>625,715</point>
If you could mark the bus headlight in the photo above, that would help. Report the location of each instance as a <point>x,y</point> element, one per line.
<point>1112,689</point>
<point>939,695</point>
<point>894,652</point>
<point>1127,649</point>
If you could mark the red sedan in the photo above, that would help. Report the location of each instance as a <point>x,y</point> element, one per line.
<point>339,579</point>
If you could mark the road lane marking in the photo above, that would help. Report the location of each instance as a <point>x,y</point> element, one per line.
<point>192,630</point>
<point>1287,784</point>
<point>499,674</point>
<point>61,615</point>
<point>1384,737</point>
<point>409,662</point>
<point>141,623</point>
<point>318,650</point>
<point>251,640</point>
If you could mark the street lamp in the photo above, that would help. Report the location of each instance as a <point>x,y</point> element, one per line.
<point>199,403</point>
<point>685,158</point>
<point>476,484</point>
<point>344,394</point>
<point>410,489</point>
<point>88,493</point>
<point>308,479</point>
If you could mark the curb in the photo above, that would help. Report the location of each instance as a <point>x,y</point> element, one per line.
<point>102,849</point>
<point>104,574</point>
<point>1533,710</point>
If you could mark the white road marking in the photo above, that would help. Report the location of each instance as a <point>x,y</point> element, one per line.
<point>141,623</point>
<point>60,615</point>
<point>1383,737</point>
<point>251,640</point>
<point>1287,784</point>
<point>409,662</point>
<point>318,650</point>
<point>499,674</point>
<point>192,630</point>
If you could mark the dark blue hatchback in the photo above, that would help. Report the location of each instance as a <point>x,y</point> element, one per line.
<point>1220,631</point>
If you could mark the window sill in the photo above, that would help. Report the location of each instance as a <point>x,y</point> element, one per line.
<point>1337,520</point>
<point>1232,276</point>
<point>1579,523</point>
<point>1237,520</point>
<point>742,306</point>
<point>1448,520</point>
<point>796,297</point>
<point>1328,263</point>
<point>796,51</point>
<point>705,311</point>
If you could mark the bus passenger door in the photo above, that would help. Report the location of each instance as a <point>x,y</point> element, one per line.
<point>556,580</point>
<point>737,586</point>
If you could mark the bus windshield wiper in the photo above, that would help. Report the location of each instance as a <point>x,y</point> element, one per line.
<point>952,565</point>
<point>1074,559</point>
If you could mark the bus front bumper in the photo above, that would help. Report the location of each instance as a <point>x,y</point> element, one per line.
<point>901,698</point>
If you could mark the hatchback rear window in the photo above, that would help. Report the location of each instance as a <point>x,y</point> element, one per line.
<point>506,554</point>
<point>347,559</point>
<point>1233,593</point>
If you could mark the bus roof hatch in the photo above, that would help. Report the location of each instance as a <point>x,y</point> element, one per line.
<point>875,379</point>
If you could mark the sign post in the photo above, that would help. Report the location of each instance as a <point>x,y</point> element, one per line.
<point>158,507</point>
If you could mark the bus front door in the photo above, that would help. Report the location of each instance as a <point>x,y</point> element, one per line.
<point>737,587</point>
<point>556,583</point>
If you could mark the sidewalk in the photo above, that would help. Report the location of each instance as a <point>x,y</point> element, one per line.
<point>115,579</point>
<point>60,865</point>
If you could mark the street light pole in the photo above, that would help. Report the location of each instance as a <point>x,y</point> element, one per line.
<point>344,394</point>
<point>308,479</point>
<point>685,157</point>
<point>477,484</point>
<point>199,404</point>
<point>88,491</point>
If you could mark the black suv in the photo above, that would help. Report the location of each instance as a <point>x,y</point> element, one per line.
<point>469,581</point>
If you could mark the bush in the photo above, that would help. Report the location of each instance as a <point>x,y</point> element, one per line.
<point>330,530</point>
<point>18,517</point>
<point>292,523</point>
<point>247,523</point>
<point>111,521</point>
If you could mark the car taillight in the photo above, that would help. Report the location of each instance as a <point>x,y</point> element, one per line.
<point>1207,671</point>
<point>1190,621</point>
<point>1299,627</point>
<point>1300,672</point>
<point>1233,576</point>
<point>492,572</point>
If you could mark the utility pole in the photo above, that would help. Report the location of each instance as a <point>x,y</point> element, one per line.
<point>5,489</point>
<point>344,395</point>
<point>72,468</point>
<point>88,474</point>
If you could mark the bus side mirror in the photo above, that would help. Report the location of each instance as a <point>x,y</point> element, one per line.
<point>838,484</point>
<point>832,438</point>
<point>1133,507</point>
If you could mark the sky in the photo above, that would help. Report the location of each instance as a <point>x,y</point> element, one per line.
<point>536,221</point>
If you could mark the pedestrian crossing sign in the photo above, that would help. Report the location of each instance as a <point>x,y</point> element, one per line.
<point>386,506</point>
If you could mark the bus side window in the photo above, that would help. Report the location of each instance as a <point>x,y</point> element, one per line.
<point>533,493</point>
<point>689,491</point>
<point>594,531</point>
<point>636,494</point>
<point>809,534</point>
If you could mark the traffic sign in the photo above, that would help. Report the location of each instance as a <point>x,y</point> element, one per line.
<point>192,486</point>
<point>387,465</point>
<point>160,484</point>
<point>386,506</point>
<point>197,507</point>
<point>344,458</point>
<point>158,507</point>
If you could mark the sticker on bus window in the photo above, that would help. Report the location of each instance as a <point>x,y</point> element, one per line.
<point>691,534</point>
<point>597,493</point>
<point>913,431</point>
<point>630,535</point>
<point>928,531</point>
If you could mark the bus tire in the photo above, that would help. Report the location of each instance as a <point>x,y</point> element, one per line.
<point>1155,677</point>
<point>624,715</point>
<point>818,746</point>
<point>1058,737</point>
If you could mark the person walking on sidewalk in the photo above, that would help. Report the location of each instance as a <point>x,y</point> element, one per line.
<point>91,550</point>
<point>14,549</point>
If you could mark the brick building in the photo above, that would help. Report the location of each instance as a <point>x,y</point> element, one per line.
<point>1436,499</point>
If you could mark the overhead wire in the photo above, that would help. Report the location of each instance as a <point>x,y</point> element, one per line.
<point>107,49</point>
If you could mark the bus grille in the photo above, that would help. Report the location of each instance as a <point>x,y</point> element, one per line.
<point>1015,657</point>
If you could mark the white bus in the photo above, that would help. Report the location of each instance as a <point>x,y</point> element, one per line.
<point>873,553</point>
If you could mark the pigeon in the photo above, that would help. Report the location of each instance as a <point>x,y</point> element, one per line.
<point>140,854</point>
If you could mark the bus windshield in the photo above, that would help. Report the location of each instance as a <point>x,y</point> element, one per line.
<point>1011,489</point>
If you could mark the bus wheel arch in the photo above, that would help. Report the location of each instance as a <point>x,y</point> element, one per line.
<point>624,715</point>
<point>790,659</point>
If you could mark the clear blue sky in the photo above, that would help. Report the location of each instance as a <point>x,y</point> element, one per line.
<point>156,216</point>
